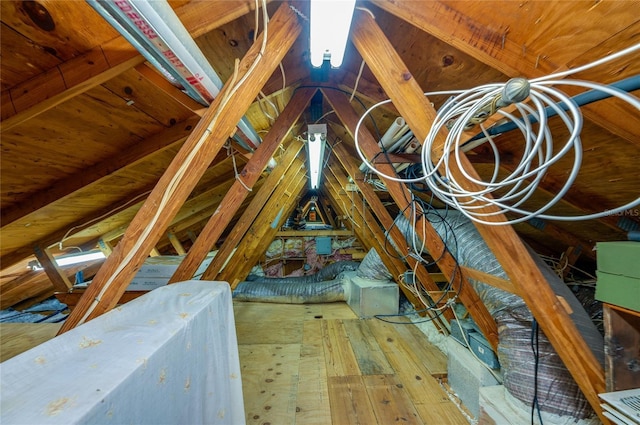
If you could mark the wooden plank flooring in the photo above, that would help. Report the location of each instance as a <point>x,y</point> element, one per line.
<point>319,364</point>
<point>19,337</point>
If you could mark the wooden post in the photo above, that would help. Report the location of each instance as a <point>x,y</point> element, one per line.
<point>417,111</point>
<point>240,189</point>
<point>57,277</point>
<point>186,169</point>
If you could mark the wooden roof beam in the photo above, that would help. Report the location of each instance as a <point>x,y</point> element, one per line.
<point>512,57</point>
<point>402,196</point>
<point>372,234</point>
<point>186,169</point>
<point>256,241</point>
<point>352,168</point>
<point>242,185</point>
<point>515,259</point>
<point>288,168</point>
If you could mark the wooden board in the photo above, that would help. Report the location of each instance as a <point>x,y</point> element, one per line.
<point>349,401</point>
<point>312,406</point>
<point>269,381</point>
<point>19,337</point>
<point>328,354</point>
<point>390,403</point>
<point>270,332</point>
<point>369,356</point>
<point>339,356</point>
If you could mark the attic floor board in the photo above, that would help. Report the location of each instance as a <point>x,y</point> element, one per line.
<point>19,337</point>
<point>319,364</point>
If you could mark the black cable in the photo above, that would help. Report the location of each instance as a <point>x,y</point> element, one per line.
<point>535,406</point>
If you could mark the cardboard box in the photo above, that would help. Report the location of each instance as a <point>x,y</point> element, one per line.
<point>620,290</point>
<point>619,258</point>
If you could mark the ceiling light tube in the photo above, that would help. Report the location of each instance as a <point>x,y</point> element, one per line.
<point>317,136</point>
<point>330,23</point>
<point>68,260</point>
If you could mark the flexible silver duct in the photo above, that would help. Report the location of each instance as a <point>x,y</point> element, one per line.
<point>557,391</point>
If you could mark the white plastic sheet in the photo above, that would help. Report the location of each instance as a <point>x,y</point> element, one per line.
<point>168,357</point>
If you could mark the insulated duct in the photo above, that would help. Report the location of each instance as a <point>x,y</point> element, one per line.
<point>557,391</point>
<point>322,287</point>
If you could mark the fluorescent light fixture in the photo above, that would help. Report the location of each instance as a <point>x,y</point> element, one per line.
<point>155,30</point>
<point>68,260</point>
<point>330,23</point>
<point>317,137</point>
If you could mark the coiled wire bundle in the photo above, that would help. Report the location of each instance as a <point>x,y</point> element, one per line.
<point>540,150</point>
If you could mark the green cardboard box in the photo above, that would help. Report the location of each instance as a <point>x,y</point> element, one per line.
<point>622,291</point>
<point>619,257</point>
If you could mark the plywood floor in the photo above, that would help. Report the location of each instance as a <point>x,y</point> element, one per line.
<point>319,364</point>
<point>16,338</point>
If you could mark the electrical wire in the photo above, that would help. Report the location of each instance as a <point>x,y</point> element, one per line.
<point>172,186</point>
<point>110,212</point>
<point>540,150</point>
<point>535,348</point>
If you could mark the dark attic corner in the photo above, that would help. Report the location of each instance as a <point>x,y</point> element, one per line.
<point>320,212</point>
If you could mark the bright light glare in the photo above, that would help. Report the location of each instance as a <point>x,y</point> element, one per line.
<point>81,258</point>
<point>315,158</point>
<point>330,23</point>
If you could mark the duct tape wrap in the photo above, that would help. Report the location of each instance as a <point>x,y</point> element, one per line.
<point>557,392</point>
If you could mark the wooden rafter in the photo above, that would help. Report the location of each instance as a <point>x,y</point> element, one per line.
<point>178,181</point>
<point>287,168</point>
<point>243,184</point>
<point>352,168</point>
<point>402,197</point>
<point>372,234</point>
<point>418,112</point>
<point>257,239</point>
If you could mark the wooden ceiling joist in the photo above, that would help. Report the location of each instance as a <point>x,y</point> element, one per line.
<point>243,184</point>
<point>418,112</point>
<point>186,169</point>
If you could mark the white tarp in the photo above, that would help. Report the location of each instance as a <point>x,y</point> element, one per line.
<point>168,357</point>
